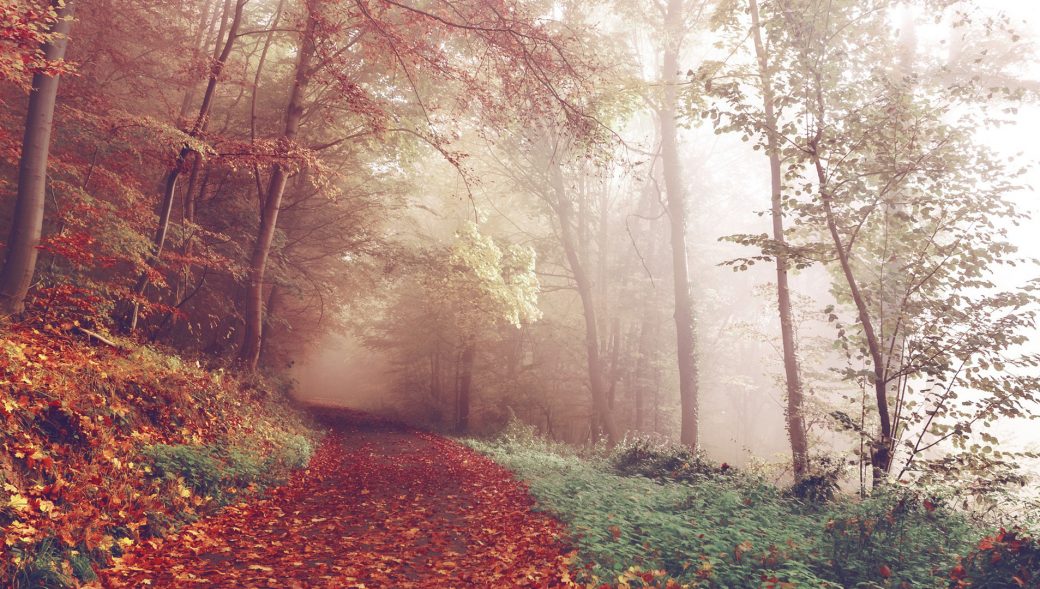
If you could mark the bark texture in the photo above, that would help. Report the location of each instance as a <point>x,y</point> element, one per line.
<point>27,220</point>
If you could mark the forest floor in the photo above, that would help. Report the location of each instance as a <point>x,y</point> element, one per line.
<point>379,506</point>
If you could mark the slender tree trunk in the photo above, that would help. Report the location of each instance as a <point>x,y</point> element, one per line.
<point>796,430</point>
<point>197,44</point>
<point>465,384</point>
<point>685,329</point>
<point>170,189</point>
<point>27,220</point>
<point>565,212</point>
<point>881,446</point>
<point>615,358</point>
<point>254,310</point>
<point>435,376</point>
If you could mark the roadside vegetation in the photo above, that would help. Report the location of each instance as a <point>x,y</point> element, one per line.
<point>108,445</point>
<point>649,513</point>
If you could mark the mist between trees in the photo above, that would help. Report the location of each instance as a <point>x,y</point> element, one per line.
<point>772,231</point>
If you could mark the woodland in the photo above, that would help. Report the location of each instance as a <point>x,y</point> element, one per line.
<point>650,293</point>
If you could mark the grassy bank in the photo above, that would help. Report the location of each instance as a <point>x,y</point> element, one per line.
<point>107,446</point>
<point>654,515</point>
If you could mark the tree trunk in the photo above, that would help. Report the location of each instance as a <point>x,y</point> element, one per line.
<point>27,220</point>
<point>796,430</point>
<point>615,358</point>
<point>881,446</point>
<point>254,310</point>
<point>465,384</point>
<point>172,176</point>
<point>198,44</point>
<point>565,212</point>
<point>677,212</point>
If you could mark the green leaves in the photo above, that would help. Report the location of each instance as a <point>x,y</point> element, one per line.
<point>732,530</point>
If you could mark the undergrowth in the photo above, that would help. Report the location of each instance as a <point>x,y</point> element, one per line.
<point>654,514</point>
<point>105,448</point>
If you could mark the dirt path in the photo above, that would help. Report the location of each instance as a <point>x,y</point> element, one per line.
<point>379,506</point>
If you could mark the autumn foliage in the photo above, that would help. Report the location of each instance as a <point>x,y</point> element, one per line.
<point>77,421</point>
<point>1009,558</point>
<point>379,506</point>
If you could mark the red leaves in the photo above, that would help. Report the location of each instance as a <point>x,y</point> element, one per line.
<point>378,507</point>
<point>1011,557</point>
<point>73,420</point>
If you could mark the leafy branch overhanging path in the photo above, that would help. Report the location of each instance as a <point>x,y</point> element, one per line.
<point>379,506</point>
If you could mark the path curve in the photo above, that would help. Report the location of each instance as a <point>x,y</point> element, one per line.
<point>380,506</point>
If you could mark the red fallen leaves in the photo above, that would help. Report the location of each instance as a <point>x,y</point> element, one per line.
<point>378,507</point>
<point>73,420</point>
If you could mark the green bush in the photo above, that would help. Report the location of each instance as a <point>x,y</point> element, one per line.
<point>895,537</point>
<point>211,470</point>
<point>201,467</point>
<point>822,481</point>
<point>708,527</point>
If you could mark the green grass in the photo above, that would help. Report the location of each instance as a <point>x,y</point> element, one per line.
<point>730,530</point>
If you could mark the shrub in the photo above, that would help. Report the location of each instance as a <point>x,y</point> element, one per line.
<point>1008,559</point>
<point>520,436</point>
<point>199,466</point>
<point>210,470</point>
<point>821,483</point>
<point>655,458</point>
<point>894,538</point>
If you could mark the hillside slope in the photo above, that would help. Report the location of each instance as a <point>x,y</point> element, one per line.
<point>103,447</point>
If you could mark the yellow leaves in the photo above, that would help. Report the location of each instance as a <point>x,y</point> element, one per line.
<point>46,506</point>
<point>124,543</point>
<point>17,502</point>
<point>19,531</point>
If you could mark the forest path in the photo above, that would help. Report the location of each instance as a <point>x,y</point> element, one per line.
<point>379,506</point>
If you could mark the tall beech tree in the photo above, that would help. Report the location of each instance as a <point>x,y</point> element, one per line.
<point>671,22</point>
<point>254,298</point>
<point>762,121</point>
<point>673,31</point>
<point>27,221</point>
<point>796,429</point>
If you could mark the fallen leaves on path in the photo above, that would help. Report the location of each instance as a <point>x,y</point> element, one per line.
<point>379,506</point>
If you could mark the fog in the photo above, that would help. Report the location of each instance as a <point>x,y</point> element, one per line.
<point>534,369</point>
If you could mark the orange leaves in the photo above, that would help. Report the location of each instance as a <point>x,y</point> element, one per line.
<point>377,507</point>
<point>73,420</point>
